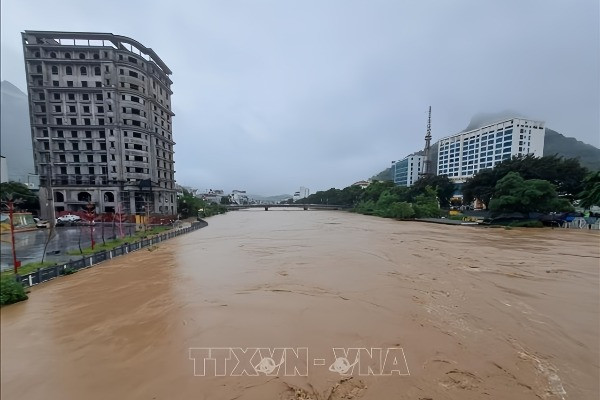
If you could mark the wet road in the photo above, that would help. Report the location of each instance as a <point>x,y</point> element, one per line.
<point>30,245</point>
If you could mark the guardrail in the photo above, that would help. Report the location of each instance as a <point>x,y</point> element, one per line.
<point>49,273</point>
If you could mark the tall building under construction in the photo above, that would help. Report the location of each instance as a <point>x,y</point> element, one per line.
<point>101,123</point>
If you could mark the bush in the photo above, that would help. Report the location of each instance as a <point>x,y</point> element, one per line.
<point>365,207</point>
<point>11,291</point>
<point>427,210</point>
<point>401,210</point>
<point>426,205</point>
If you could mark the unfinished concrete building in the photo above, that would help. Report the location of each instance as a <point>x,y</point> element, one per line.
<point>101,123</point>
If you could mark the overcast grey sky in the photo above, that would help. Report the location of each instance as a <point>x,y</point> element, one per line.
<point>272,95</point>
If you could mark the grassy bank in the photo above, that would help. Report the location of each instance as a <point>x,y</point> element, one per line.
<point>30,267</point>
<point>111,244</point>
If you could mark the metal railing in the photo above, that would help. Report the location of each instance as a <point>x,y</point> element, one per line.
<point>49,273</point>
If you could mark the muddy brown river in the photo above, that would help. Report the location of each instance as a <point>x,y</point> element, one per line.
<point>318,305</point>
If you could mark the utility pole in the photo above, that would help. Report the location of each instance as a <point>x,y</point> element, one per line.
<point>90,217</point>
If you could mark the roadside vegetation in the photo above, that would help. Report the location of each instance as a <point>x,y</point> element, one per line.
<point>11,291</point>
<point>520,185</point>
<point>384,199</point>
<point>28,268</point>
<point>190,206</point>
<point>566,176</point>
<point>111,244</point>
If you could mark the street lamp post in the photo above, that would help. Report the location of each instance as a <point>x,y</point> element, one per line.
<point>90,217</point>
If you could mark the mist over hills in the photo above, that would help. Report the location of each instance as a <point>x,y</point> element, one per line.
<point>555,143</point>
<point>15,132</point>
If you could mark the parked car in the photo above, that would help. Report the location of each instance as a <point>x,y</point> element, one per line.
<point>41,223</point>
<point>68,219</point>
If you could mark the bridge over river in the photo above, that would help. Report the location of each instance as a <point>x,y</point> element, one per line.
<point>303,206</point>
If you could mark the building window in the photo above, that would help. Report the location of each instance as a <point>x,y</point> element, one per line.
<point>68,55</point>
<point>53,55</point>
<point>69,71</point>
<point>82,56</point>
<point>54,69</point>
<point>83,71</point>
<point>97,71</point>
<point>83,196</point>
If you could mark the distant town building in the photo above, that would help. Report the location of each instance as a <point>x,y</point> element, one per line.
<point>101,122</point>
<point>239,197</point>
<point>361,184</point>
<point>301,194</point>
<point>213,196</point>
<point>462,155</point>
<point>407,171</point>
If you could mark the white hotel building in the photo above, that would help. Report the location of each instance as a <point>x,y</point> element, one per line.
<point>460,156</point>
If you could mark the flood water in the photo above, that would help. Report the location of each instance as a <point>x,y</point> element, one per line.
<point>478,313</point>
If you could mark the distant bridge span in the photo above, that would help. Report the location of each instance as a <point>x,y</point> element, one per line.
<point>233,207</point>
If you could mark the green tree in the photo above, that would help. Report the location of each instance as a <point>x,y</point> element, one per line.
<point>444,187</point>
<point>365,207</point>
<point>188,204</point>
<point>481,187</point>
<point>385,202</point>
<point>566,174</point>
<point>401,210</point>
<point>515,194</point>
<point>426,204</point>
<point>24,198</point>
<point>590,195</point>
<point>375,189</point>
